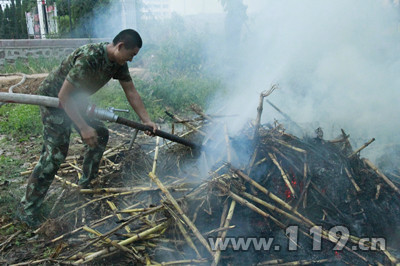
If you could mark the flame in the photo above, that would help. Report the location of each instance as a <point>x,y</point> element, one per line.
<point>288,193</point>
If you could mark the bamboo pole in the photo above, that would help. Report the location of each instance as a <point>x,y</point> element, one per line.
<point>108,241</point>
<point>180,262</point>
<point>95,200</point>
<point>125,242</point>
<point>272,207</point>
<point>380,174</point>
<point>284,175</point>
<point>361,148</point>
<point>281,262</point>
<point>358,189</point>
<point>290,146</point>
<point>119,216</point>
<point>187,237</point>
<point>181,213</point>
<point>226,224</point>
<point>271,195</point>
<point>185,123</point>
<point>221,229</point>
<point>80,228</point>
<point>66,182</point>
<point>156,155</point>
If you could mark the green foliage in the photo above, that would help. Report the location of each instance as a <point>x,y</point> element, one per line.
<point>32,65</point>
<point>177,74</point>
<point>12,21</point>
<point>21,121</point>
<point>1,22</point>
<point>82,14</point>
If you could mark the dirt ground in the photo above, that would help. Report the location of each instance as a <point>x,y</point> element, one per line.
<point>29,86</point>
<point>32,82</point>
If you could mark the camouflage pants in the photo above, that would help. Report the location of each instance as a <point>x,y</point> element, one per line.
<point>56,135</point>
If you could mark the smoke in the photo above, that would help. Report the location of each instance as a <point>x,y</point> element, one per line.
<point>336,62</point>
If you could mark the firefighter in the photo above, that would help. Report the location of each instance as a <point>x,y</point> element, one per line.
<point>79,75</point>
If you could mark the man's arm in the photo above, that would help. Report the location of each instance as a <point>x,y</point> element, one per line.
<point>88,134</point>
<point>137,104</point>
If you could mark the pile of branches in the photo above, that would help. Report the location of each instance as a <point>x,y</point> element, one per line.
<point>316,199</point>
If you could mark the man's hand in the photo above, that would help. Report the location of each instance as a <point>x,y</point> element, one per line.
<point>89,136</point>
<point>153,125</point>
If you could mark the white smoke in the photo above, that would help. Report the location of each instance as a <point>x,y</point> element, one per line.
<point>337,63</point>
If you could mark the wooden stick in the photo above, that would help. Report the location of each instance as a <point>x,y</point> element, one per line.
<point>219,230</point>
<point>271,195</point>
<point>56,202</point>
<point>380,174</point>
<point>226,224</point>
<point>361,148</point>
<point>109,241</point>
<point>272,207</point>
<point>66,182</point>
<point>284,175</point>
<point>119,216</point>
<point>260,109</point>
<point>358,189</point>
<point>290,146</point>
<point>5,243</point>
<point>299,262</point>
<point>181,213</point>
<point>185,123</point>
<point>180,262</point>
<point>80,228</point>
<point>125,242</point>
<point>156,155</point>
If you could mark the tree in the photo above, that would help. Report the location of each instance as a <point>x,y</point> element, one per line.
<point>21,25</point>
<point>235,18</point>
<point>13,21</point>
<point>6,19</point>
<point>1,23</point>
<point>82,14</point>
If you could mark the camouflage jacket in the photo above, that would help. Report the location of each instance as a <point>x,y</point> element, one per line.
<point>87,68</point>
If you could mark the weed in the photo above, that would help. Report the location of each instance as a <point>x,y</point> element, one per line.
<point>20,121</point>
<point>32,65</point>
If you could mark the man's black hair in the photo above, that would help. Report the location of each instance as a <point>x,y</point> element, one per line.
<point>130,38</point>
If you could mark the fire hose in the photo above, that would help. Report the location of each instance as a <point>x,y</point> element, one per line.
<point>92,111</point>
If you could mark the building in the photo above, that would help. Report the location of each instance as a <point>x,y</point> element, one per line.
<point>41,21</point>
<point>4,3</point>
<point>155,9</point>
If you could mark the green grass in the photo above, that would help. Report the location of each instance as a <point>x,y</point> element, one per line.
<point>20,121</point>
<point>31,65</point>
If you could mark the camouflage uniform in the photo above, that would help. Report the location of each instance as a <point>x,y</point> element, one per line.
<point>88,69</point>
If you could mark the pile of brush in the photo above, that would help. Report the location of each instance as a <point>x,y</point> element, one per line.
<point>291,201</point>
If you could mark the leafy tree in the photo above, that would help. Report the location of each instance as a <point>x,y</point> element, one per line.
<point>1,23</point>
<point>6,19</point>
<point>13,21</point>
<point>19,19</point>
<point>82,14</point>
<point>235,18</point>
